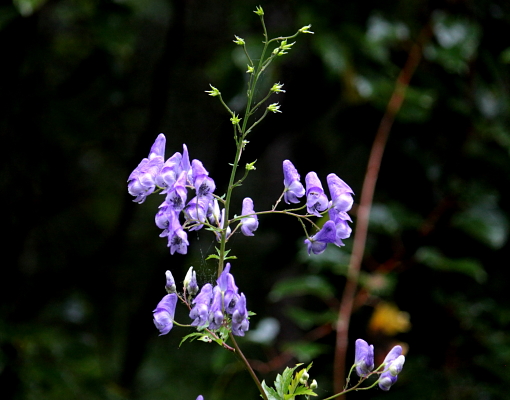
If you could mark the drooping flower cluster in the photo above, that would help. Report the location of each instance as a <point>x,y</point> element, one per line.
<point>317,201</point>
<point>221,304</point>
<point>391,367</point>
<point>172,178</point>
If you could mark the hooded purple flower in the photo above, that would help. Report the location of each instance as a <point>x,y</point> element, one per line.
<point>164,313</point>
<point>176,198</point>
<point>169,173</point>
<point>216,310</point>
<point>240,323</point>
<point>363,358</point>
<point>200,397</point>
<point>204,186</point>
<point>316,200</point>
<point>142,181</point>
<point>177,238</point>
<point>343,230</point>
<point>389,376</point>
<point>202,302</point>
<point>196,212</point>
<point>228,288</point>
<point>341,193</point>
<point>291,180</point>
<point>250,223</point>
<point>318,242</point>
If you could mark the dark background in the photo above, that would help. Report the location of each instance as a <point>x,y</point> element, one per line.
<point>87,85</point>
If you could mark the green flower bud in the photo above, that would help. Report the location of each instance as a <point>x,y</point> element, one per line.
<point>235,119</point>
<point>259,11</point>
<point>250,70</point>
<point>214,92</point>
<point>304,377</point>
<point>277,88</point>
<point>239,41</point>
<point>274,108</point>
<point>305,29</point>
<point>314,385</point>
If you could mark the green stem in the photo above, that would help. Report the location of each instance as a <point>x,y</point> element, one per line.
<point>248,367</point>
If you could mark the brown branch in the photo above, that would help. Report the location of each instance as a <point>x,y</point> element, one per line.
<point>367,194</point>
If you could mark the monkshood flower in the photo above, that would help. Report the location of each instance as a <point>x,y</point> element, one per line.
<point>216,310</point>
<point>228,288</point>
<point>363,358</point>
<point>200,397</point>
<point>318,242</point>
<point>341,193</point>
<point>240,323</point>
<point>176,197</point>
<point>250,223</point>
<point>393,364</point>
<point>177,238</point>
<point>164,313</point>
<point>204,186</point>
<point>293,187</point>
<point>169,172</point>
<point>200,311</point>
<point>343,230</point>
<point>196,211</point>
<point>316,200</point>
<point>142,181</point>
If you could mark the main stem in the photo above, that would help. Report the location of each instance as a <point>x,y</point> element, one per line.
<point>367,195</point>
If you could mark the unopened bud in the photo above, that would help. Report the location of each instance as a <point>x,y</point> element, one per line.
<point>170,283</point>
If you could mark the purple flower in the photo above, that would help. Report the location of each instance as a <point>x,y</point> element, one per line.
<point>392,366</point>
<point>216,309</point>
<point>177,238</point>
<point>204,186</point>
<point>316,200</point>
<point>142,181</point>
<point>363,358</point>
<point>200,311</point>
<point>176,197</point>
<point>196,212</point>
<point>343,230</point>
<point>164,313</point>
<point>200,397</point>
<point>169,173</point>
<point>341,193</point>
<point>293,187</point>
<point>250,223</point>
<point>228,288</point>
<point>240,323</point>
<point>318,242</point>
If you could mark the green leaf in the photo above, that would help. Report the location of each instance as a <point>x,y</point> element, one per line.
<point>193,336</point>
<point>270,392</point>
<point>311,284</point>
<point>433,258</point>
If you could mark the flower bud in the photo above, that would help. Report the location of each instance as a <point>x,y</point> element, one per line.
<point>314,385</point>
<point>170,283</point>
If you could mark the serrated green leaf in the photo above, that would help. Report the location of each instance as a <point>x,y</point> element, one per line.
<point>303,390</point>
<point>210,256</point>
<point>270,392</point>
<point>191,337</point>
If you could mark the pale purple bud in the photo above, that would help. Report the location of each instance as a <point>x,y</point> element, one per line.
<point>216,309</point>
<point>387,379</point>
<point>170,283</point>
<point>363,358</point>
<point>250,223</point>
<point>341,193</point>
<point>291,180</point>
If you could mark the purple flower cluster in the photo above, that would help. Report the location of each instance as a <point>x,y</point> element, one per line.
<point>214,306</point>
<point>317,201</point>
<point>392,365</point>
<point>173,177</point>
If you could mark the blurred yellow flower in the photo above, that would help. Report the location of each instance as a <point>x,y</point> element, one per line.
<point>388,319</point>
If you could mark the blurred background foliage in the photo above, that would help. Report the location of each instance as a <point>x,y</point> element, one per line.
<point>88,84</point>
